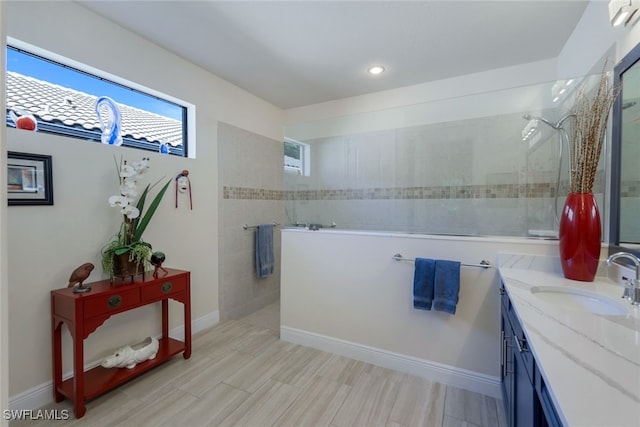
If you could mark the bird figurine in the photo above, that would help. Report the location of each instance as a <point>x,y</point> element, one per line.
<point>157,258</point>
<point>78,276</point>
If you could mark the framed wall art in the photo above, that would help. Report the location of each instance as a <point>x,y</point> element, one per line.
<point>29,179</point>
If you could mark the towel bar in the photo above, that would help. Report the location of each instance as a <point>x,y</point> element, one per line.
<point>315,227</point>
<point>483,264</point>
<point>246,227</point>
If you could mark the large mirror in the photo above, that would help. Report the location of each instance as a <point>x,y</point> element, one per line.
<point>625,157</point>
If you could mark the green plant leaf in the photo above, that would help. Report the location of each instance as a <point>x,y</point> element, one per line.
<point>142,225</point>
<point>140,206</point>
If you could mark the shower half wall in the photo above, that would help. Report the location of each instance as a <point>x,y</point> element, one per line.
<point>457,166</point>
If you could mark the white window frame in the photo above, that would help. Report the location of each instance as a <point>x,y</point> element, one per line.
<point>305,154</point>
<point>190,144</point>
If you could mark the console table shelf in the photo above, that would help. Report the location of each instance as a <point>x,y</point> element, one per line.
<point>83,313</point>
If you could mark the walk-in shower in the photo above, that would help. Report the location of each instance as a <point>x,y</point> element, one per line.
<point>452,166</point>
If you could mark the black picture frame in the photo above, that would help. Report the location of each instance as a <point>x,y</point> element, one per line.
<point>29,179</point>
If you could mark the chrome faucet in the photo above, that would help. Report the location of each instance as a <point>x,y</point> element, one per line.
<point>631,287</point>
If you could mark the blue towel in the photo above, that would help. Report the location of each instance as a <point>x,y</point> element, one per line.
<point>423,282</point>
<point>446,286</point>
<point>264,250</point>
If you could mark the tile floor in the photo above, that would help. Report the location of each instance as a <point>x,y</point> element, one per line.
<point>242,374</point>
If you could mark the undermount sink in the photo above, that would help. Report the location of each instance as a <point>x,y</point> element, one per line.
<point>579,300</point>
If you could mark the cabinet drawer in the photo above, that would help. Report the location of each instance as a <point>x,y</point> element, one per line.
<point>115,302</point>
<point>162,288</point>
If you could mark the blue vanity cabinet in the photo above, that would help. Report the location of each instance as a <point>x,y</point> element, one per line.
<point>525,395</point>
<point>518,390</point>
<point>550,416</point>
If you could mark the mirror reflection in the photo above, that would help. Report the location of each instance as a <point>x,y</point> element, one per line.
<point>629,156</point>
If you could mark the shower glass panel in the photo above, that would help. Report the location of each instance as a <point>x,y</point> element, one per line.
<point>456,166</point>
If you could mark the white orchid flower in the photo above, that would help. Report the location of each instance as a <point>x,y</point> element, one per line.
<point>130,211</point>
<point>129,191</point>
<point>141,166</point>
<point>130,200</point>
<point>119,201</point>
<point>127,171</point>
<point>130,181</point>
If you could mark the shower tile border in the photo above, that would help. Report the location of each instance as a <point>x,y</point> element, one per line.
<point>415,193</point>
<point>630,189</point>
<point>442,192</point>
<point>248,193</point>
<point>501,191</point>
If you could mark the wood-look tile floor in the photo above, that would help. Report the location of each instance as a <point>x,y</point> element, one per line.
<point>241,374</point>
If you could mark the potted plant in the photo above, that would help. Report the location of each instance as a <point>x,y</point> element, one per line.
<point>127,254</point>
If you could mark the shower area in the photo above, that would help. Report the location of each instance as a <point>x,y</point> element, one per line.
<point>493,163</point>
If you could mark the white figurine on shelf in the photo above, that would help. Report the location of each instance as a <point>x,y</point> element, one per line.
<point>129,356</point>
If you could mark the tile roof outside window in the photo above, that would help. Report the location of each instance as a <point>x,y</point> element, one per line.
<point>52,103</point>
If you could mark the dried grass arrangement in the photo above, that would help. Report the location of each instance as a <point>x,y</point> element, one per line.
<point>590,116</point>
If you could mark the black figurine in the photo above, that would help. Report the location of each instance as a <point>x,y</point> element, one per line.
<point>157,258</point>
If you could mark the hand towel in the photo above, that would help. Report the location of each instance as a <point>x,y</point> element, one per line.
<point>423,282</point>
<point>264,250</point>
<point>446,286</point>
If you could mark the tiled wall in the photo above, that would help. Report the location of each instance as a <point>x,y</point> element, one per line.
<point>472,176</point>
<point>251,176</point>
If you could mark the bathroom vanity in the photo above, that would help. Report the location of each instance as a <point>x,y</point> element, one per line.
<point>524,392</point>
<point>570,351</point>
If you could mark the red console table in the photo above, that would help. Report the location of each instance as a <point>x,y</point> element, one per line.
<point>83,313</point>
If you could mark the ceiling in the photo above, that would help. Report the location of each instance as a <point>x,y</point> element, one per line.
<point>296,53</point>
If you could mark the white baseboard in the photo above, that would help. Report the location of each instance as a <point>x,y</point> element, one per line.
<point>42,395</point>
<point>445,374</point>
<point>200,324</point>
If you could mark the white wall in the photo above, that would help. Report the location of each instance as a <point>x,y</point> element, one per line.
<point>4,300</point>
<point>593,38</point>
<point>47,243</point>
<point>342,291</point>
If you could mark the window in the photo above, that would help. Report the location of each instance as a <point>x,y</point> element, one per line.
<point>296,157</point>
<point>60,96</point>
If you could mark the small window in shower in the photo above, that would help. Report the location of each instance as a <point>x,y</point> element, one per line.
<point>296,157</point>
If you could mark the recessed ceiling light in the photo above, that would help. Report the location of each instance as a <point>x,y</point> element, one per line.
<point>376,69</point>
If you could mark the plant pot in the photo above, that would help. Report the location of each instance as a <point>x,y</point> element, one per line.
<point>123,266</point>
<point>579,235</point>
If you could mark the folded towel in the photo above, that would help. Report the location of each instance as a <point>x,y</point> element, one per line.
<point>423,282</point>
<point>264,250</point>
<point>446,286</point>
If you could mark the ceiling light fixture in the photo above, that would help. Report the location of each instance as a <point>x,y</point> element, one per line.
<point>376,69</point>
<point>623,11</point>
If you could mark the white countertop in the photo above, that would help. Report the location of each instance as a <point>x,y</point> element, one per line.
<point>590,363</point>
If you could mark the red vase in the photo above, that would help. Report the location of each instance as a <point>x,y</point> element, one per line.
<point>579,236</point>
